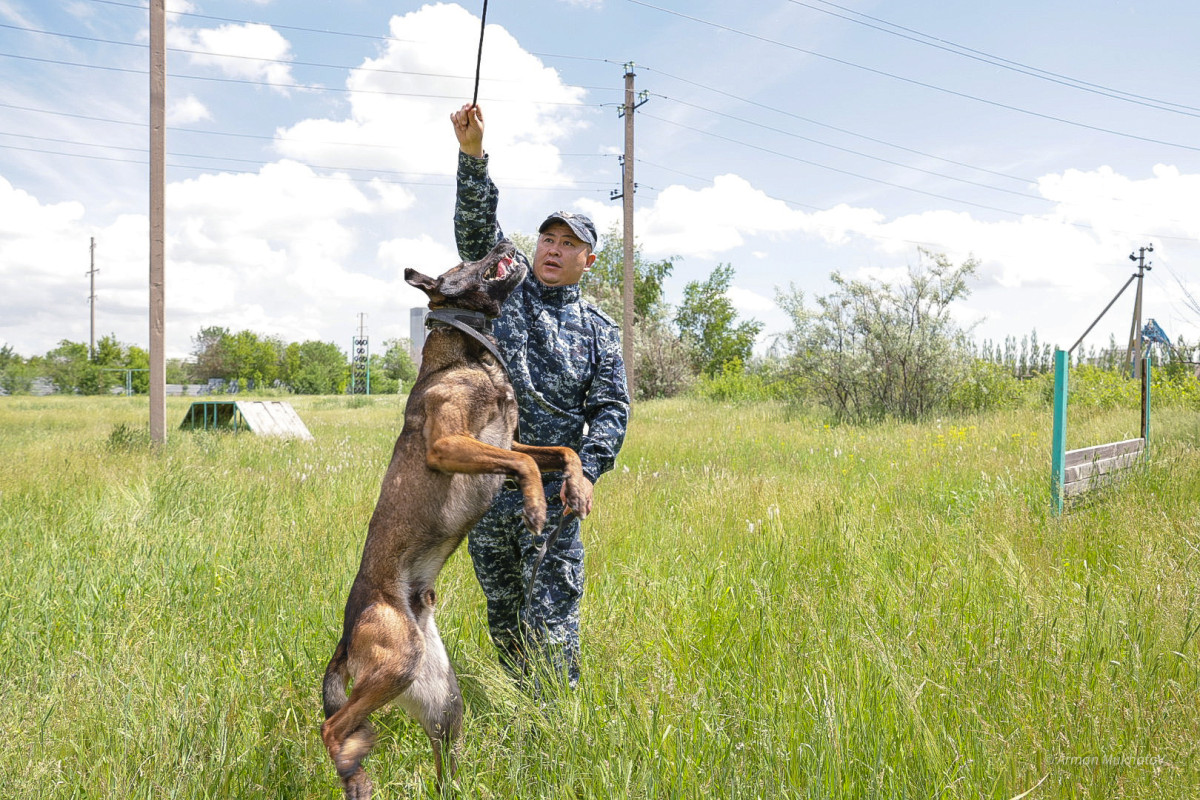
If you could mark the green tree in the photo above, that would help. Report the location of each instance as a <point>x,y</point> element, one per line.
<point>212,354</point>
<point>69,368</point>
<point>139,360</point>
<point>16,374</point>
<point>708,325</point>
<point>109,352</point>
<point>253,359</point>
<point>872,350</point>
<point>394,366</point>
<point>178,371</point>
<point>316,368</point>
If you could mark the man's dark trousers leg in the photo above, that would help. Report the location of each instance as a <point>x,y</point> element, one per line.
<point>503,552</point>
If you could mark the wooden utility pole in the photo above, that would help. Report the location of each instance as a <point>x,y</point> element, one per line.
<point>92,302</point>
<point>627,189</point>
<point>158,176</point>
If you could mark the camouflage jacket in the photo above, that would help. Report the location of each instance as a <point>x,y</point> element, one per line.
<point>563,353</point>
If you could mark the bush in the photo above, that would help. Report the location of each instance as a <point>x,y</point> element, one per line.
<point>1101,389</point>
<point>873,350</point>
<point>733,384</point>
<point>662,362</point>
<point>985,387</point>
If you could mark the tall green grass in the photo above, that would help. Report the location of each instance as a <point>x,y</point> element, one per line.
<point>775,608</point>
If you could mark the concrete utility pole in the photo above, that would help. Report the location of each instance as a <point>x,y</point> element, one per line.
<point>627,189</point>
<point>158,179</point>
<point>1134,350</point>
<point>92,302</point>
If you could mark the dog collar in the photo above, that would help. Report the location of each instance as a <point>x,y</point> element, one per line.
<point>473,323</point>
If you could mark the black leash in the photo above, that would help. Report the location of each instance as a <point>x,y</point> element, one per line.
<point>479,57</point>
<point>546,545</point>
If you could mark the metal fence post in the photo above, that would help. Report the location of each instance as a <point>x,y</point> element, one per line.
<point>1146,405</point>
<point>1058,440</point>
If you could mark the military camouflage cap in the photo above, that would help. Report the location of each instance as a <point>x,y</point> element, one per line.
<point>580,224</point>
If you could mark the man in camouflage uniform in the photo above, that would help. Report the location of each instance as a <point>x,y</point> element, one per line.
<point>564,360</point>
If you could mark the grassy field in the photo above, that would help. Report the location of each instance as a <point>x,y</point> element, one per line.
<point>775,608</point>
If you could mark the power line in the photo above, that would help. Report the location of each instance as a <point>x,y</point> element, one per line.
<point>998,61</point>
<point>854,152</point>
<point>201,132</point>
<point>277,85</point>
<point>143,162</point>
<point>388,38</point>
<point>913,81</point>
<point>261,59</point>
<point>809,206</point>
<point>819,165</point>
<point>331,32</point>
<point>459,77</point>
<point>846,131</point>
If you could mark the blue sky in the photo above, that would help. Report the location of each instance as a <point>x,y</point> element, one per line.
<point>310,157</point>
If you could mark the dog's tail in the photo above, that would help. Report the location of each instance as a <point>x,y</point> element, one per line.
<point>333,690</point>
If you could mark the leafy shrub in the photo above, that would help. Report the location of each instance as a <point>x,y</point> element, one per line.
<point>733,384</point>
<point>985,386</point>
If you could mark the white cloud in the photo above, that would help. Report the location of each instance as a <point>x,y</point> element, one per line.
<point>250,51</point>
<point>422,253</point>
<point>399,111</point>
<point>187,110</point>
<point>749,303</point>
<point>706,222</point>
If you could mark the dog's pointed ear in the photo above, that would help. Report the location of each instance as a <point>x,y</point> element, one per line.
<point>422,282</point>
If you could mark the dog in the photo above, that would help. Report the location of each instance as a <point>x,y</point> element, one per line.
<point>455,450</point>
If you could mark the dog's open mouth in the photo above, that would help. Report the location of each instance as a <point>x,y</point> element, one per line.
<point>500,271</point>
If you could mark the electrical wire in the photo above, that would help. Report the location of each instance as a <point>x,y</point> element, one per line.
<point>1003,63</point>
<point>638,2</point>
<point>278,85</point>
<point>144,162</point>
<point>846,131</point>
<point>915,82</point>
<point>819,165</point>
<point>282,61</point>
<point>854,152</point>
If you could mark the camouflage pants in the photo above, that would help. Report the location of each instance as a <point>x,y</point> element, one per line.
<point>503,552</point>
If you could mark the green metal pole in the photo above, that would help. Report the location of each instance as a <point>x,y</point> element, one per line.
<point>1146,405</point>
<point>1058,440</point>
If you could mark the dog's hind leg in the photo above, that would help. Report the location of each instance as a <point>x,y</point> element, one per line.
<point>382,656</point>
<point>433,697</point>
<point>333,688</point>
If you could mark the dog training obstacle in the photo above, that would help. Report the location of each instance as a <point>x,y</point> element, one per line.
<point>263,417</point>
<point>1073,472</point>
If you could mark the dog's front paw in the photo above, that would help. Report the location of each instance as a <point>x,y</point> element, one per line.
<point>577,494</point>
<point>535,514</point>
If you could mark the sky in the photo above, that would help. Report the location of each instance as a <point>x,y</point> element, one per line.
<point>310,158</point>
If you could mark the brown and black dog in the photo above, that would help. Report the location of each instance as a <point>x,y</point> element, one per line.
<point>456,446</point>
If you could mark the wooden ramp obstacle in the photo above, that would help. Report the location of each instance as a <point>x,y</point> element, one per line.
<point>263,417</point>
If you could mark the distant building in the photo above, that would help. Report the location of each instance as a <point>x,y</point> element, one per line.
<point>416,333</point>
